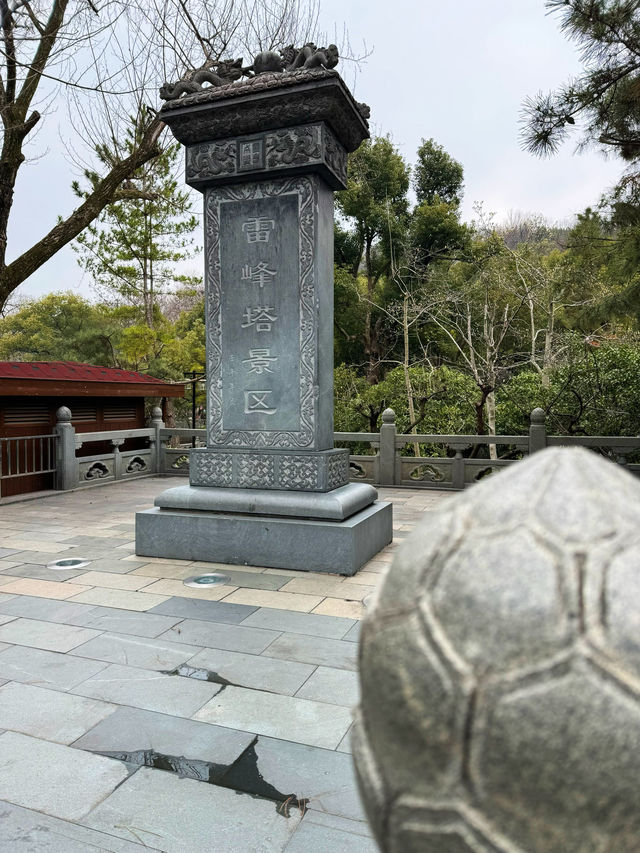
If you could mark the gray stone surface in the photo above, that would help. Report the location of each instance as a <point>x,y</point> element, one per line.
<point>286,151</point>
<point>48,714</point>
<point>335,686</point>
<point>265,103</point>
<point>315,625</point>
<point>220,636</point>
<point>124,621</point>
<point>7,552</point>
<point>325,777</point>
<point>45,635</point>
<point>317,650</point>
<point>327,834</point>
<point>314,470</point>
<point>132,729</point>
<point>335,505</point>
<point>209,611</point>
<point>354,634</point>
<point>136,651</point>
<point>54,779</point>
<point>142,688</point>
<point>321,546</point>
<point>544,754</point>
<point>182,816</point>
<point>254,671</point>
<point>46,669</point>
<point>45,609</point>
<point>34,570</point>
<point>299,720</point>
<point>26,831</point>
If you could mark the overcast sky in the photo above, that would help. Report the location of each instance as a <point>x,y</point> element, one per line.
<point>456,71</point>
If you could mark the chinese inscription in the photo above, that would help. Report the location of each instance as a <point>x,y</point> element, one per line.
<point>261,341</point>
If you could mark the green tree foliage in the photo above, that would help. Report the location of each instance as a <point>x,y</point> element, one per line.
<point>436,175</point>
<point>58,327</point>
<point>133,248</point>
<point>605,99</point>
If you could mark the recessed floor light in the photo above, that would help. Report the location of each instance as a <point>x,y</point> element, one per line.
<point>69,563</point>
<point>212,579</point>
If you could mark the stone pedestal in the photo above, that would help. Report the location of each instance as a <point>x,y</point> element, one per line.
<point>269,488</point>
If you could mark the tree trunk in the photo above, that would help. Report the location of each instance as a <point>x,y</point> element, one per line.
<point>407,375</point>
<point>491,422</point>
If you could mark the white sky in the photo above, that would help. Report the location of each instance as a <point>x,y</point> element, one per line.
<point>454,70</point>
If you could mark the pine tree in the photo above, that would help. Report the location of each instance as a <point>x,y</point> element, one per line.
<point>132,250</point>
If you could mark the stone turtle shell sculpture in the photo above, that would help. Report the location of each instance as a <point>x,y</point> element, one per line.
<point>500,669</point>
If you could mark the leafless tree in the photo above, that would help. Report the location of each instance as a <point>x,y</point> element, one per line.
<point>106,59</point>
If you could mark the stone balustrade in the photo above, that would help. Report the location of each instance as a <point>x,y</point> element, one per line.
<point>453,464</point>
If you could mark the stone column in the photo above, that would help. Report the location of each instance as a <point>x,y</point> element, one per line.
<point>269,488</point>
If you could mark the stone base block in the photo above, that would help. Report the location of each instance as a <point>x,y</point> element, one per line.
<point>313,471</point>
<point>311,545</point>
<point>336,505</point>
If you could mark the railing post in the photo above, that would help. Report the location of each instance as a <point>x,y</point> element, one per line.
<point>66,462</point>
<point>117,458</point>
<point>537,431</point>
<point>157,423</point>
<point>388,448</point>
<point>457,466</point>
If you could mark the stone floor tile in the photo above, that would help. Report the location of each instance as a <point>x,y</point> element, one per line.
<point>54,779</point>
<point>163,570</point>
<point>132,729</point>
<point>136,651</point>
<point>328,834</point>
<point>209,611</point>
<point>124,621</point>
<point>216,635</point>
<point>367,578</point>
<point>254,671</point>
<point>45,608</point>
<point>4,617</point>
<point>136,558</point>
<point>280,600</point>
<point>113,580</point>
<point>120,598</point>
<point>298,720</point>
<point>183,816</point>
<point>253,580</point>
<point>143,688</point>
<point>339,607</point>
<point>7,565</point>
<point>325,777</point>
<point>343,746</point>
<point>322,651</point>
<point>171,587</point>
<point>44,589</point>
<point>335,686</point>
<point>35,545</point>
<point>49,714</point>
<point>7,552</point>
<point>300,623</point>
<point>37,572</point>
<point>327,585</point>
<point>45,635</point>
<point>353,635</point>
<point>46,669</point>
<point>109,564</point>
<point>36,557</point>
<point>26,831</point>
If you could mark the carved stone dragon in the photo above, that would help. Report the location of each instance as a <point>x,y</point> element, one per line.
<point>224,72</point>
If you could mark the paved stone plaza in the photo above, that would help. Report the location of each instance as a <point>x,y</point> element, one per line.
<point>89,669</point>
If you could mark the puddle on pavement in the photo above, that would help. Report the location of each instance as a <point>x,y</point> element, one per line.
<point>242,776</point>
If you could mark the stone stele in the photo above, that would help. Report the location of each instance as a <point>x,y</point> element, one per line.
<point>500,669</point>
<point>267,153</point>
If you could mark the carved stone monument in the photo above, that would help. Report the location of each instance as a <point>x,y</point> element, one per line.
<point>500,669</point>
<point>267,145</point>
